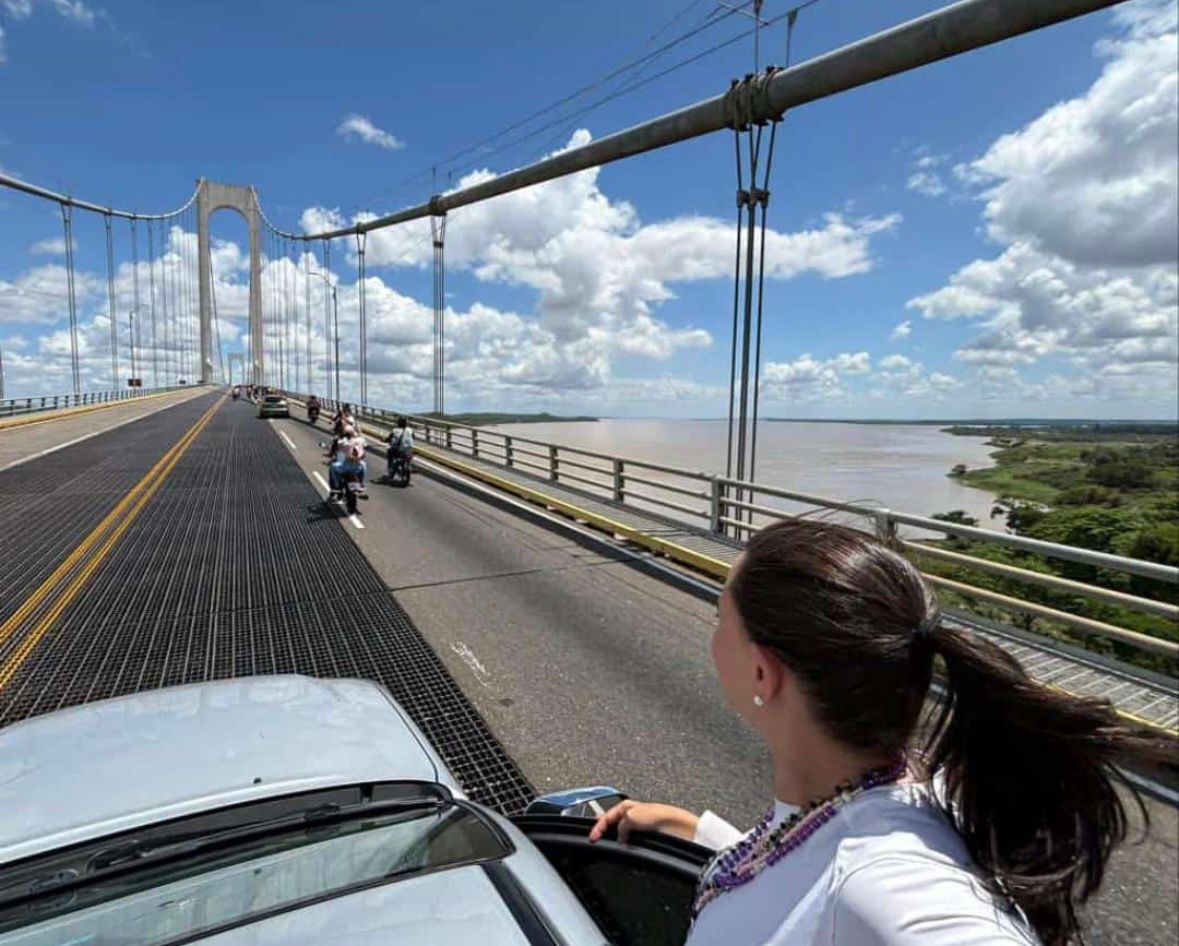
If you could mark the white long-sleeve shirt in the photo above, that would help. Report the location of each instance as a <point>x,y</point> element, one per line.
<point>887,870</point>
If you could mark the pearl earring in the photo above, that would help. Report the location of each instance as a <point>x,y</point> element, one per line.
<point>758,701</point>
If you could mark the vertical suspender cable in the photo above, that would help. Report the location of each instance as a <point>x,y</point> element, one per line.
<point>186,282</point>
<point>110,296</point>
<point>438,231</point>
<point>763,202</point>
<point>151,300</point>
<point>335,334</point>
<point>67,225</point>
<point>736,302</point>
<point>169,334</point>
<point>134,288</point>
<point>307,309</point>
<point>361,240</point>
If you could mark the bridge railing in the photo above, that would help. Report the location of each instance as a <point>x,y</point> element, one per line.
<point>730,510</point>
<point>15,406</point>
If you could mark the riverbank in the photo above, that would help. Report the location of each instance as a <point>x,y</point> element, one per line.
<point>1113,491</point>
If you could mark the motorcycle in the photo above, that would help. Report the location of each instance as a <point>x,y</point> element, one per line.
<point>312,414</point>
<point>237,393</point>
<point>350,480</point>
<point>400,465</point>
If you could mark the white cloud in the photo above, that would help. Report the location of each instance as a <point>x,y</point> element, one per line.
<point>926,182</point>
<point>52,246</point>
<point>75,12</point>
<point>1084,201</point>
<point>903,330</point>
<point>807,378</point>
<point>895,363</point>
<point>601,274</point>
<point>357,126</point>
<point>926,178</point>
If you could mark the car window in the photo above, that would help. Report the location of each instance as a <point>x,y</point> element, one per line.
<point>180,897</point>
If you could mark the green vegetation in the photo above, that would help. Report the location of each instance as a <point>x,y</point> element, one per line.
<point>1113,491</point>
<point>492,417</point>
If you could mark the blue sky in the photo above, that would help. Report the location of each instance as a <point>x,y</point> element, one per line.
<point>989,236</point>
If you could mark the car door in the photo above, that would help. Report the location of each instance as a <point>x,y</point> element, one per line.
<point>639,893</point>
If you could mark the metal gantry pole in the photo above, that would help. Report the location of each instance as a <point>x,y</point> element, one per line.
<point>134,273</point>
<point>110,298</point>
<point>307,309</point>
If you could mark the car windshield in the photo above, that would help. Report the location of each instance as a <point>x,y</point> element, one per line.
<point>273,399</point>
<point>206,873</point>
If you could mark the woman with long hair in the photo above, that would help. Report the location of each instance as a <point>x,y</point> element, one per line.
<point>988,821</point>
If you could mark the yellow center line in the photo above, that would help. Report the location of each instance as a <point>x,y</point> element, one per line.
<point>128,509</point>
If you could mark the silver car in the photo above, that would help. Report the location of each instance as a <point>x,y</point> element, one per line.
<point>273,405</point>
<point>287,809</point>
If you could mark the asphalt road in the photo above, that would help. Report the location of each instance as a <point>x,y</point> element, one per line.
<point>591,670</point>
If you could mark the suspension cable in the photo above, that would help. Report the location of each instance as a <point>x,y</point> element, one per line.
<point>361,240</point>
<point>110,296</point>
<point>307,309</point>
<point>216,319</point>
<point>335,333</point>
<point>134,291</point>
<point>151,295</point>
<point>67,226</point>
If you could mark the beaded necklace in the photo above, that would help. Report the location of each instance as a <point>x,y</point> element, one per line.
<point>761,848</point>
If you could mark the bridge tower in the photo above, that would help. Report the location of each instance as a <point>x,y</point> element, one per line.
<point>212,197</point>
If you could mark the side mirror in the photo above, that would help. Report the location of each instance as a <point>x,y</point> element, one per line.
<point>589,802</point>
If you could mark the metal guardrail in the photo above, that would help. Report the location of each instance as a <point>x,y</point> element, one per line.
<point>733,509</point>
<point>16,406</point>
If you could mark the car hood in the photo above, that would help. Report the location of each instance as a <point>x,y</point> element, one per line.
<point>108,766</point>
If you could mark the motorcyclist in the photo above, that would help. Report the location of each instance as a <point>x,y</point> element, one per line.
<point>237,391</point>
<point>342,419</point>
<point>400,441</point>
<point>347,453</point>
<point>313,408</point>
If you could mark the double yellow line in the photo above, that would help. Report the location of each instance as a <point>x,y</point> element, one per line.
<point>70,577</point>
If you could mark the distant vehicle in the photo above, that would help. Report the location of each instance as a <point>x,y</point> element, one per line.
<point>267,810</point>
<point>273,405</point>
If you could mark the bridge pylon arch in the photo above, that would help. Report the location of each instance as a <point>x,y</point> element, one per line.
<point>211,197</point>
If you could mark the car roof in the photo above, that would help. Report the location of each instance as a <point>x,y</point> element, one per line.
<point>117,764</point>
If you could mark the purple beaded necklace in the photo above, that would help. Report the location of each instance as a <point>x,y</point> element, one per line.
<point>761,848</point>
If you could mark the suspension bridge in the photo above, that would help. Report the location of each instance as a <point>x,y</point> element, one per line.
<point>160,534</point>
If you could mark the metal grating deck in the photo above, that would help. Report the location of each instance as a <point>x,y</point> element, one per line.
<point>236,568</point>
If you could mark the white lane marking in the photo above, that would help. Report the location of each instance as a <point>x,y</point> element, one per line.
<point>290,442</point>
<point>467,656</point>
<point>93,433</point>
<point>354,519</point>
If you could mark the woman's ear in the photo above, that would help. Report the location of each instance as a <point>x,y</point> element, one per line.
<point>768,672</point>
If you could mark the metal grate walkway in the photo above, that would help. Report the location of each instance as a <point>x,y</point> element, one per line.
<point>1148,699</point>
<point>236,568</point>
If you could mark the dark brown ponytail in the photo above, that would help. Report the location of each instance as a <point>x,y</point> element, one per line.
<point>1029,772</point>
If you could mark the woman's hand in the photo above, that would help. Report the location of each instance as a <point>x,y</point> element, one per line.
<point>630,816</point>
